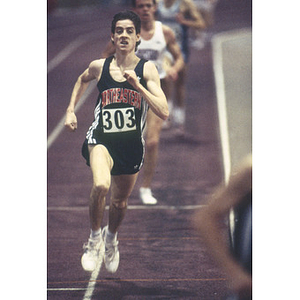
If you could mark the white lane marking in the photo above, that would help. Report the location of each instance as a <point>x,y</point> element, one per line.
<point>130,207</point>
<point>60,125</point>
<point>60,57</point>
<point>217,42</point>
<point>221,100</point>
<point>91,286</point>
<point>64,53</point>
<point>92,282</point>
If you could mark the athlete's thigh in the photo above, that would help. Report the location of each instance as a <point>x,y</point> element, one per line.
<point>154,125</point>
<point>101,164</point>
<point>122,186</point>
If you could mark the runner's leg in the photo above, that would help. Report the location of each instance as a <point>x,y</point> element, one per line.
<point>121,188</point>
<point>101,165</point>
<point>154,125</point>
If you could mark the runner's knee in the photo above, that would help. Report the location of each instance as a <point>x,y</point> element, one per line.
<point>120,204</point>
<point>100,189</point>
<point>152,142</point>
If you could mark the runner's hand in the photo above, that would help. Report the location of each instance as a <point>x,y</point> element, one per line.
<point>131,77</point>
<point>172,74</point>
<point>71,121</point>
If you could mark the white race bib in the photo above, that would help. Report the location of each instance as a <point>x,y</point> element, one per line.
<point>118,119</point>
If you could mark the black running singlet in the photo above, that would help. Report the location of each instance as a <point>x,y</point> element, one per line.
<point>119,121</point>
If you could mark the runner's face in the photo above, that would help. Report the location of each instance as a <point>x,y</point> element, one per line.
<point>125,37</point>
<point>145,9</point>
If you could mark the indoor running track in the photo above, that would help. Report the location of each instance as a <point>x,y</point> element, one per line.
<point>161,257</point>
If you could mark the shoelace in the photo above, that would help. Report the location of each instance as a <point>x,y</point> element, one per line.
<point>90,246</point>
<point>111,249</point>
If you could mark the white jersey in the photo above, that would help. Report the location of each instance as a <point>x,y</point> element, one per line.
<point>154,49</point>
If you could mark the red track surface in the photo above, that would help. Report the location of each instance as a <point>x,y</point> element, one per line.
<point>161,257</point>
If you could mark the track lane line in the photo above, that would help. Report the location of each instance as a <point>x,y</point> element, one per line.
<point>221,100</point>
<point>56,61</point>
<point>217,42</point>
<point>71,47</point>
<point>60,125</point>
<point>134,280</point>
<point>63,54</point>
<point>130,207</point>
<point>92,282</point>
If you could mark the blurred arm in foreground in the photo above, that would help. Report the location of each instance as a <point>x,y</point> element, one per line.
<point>236,195</point>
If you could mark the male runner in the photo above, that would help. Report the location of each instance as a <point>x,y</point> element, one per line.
<point>114,146</point>
<point>180,15</point>
<point>156,40</point>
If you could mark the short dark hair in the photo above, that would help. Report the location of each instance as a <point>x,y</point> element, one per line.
<point>127,15</point>
<point>133,2</point>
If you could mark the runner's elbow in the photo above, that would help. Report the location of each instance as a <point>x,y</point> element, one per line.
<point>165,114</point>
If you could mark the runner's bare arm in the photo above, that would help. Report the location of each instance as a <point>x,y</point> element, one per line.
<point>190,16</point>
<point>154,95</point>
<point>82,83</point>
<point>207,222</point>
<point>174,49</point>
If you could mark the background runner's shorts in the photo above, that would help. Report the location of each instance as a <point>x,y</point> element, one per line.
<point>128,157</point>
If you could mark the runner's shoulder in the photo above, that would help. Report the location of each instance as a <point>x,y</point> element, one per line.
<point>169,33</point>
<point>96,66</point>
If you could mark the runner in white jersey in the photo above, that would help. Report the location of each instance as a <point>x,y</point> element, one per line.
<point>154,49</point>
<point>168,15</point>
<point>156,40</point>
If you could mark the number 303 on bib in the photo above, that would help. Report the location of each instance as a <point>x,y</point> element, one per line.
<point>118,119</point>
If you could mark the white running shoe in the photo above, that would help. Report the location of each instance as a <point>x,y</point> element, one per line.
<point>93,251</point>
<point>147,197</point>
<point>111,255</point>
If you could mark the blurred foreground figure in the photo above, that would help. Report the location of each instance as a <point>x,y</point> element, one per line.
<point>237,261</point>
